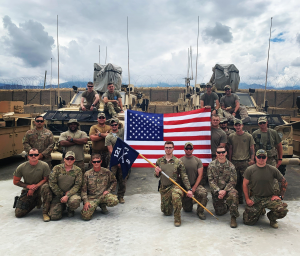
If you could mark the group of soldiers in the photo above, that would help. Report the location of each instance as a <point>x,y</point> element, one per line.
<point>242,164</point>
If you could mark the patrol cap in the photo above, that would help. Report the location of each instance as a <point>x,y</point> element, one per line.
<point>188,144</point>
<point>208,85</point>
<point>227,87</point>
<point>70,153</point>
<point>223,120</point>
<point>101,114</point>
<point>114,120</point>
<point>73,121</point>
<point>261,152</point>
<point>262,119</point>
<point>238,121</point>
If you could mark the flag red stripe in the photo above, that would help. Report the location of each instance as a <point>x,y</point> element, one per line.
<point>188,129</point>
<point>189,138</point>
<point>147,165</point>
<point>187,121</point>
<point>201,110</point>
<point>157,147</point>
<point>151,156</point>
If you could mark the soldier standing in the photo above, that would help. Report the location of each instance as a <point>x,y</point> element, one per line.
<point>110,142</point>
<point>35,174</point>
<point>210,100</point>
<point>65,181</point>
<point>230,104</point>
<point>261,177</point>
<point>241,153</point>
<point>91,97</point>
<point>194,169</point>
<point>222,180</point>
<point>223,126</point>
<point>98,183</point>
<point>112,100</point>
<point>98,133</point>
<point>171,195</point>
<point>74,140</point>
<point>41,139</point>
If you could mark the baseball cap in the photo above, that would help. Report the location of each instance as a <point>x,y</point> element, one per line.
<point>70,153</point>
<point>114,120</point>
<point>223,120</point>
<point>73,121</point>
<point>262,119</point>
<point>188,144</point>
<point>101,114</point>
<point>208,85</point>
<point>238,121</point>
<point>227,87</point>
<point>261,152</point>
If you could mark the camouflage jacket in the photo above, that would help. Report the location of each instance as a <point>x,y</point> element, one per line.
<point>95,183</point>
<point>221,176</point>
<point>58,172</point>
<point>43,141</point>
<point>175,169</point>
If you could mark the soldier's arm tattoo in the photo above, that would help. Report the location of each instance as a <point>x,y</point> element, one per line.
<point>283,187</point>
<point>252,152</point>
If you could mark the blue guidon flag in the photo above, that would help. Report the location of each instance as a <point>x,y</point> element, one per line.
<point>123,154</point>
<point>147,133</point>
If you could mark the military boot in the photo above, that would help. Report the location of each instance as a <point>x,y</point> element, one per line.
<point>103,208</point>
<point>121,200</point>
<point>46,217</point>
<point>177,221</point>
<point>201,216</point>
<point>70,213</point>
<point>263,212</point>
<point>273,223</point>
<point>233,223</point>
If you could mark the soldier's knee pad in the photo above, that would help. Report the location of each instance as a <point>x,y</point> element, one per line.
<point>20,213</point>
<point>86,217</point>
<point>55,217</point>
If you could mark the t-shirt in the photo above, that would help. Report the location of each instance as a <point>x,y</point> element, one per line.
<point>241,145</point>
<point>217,136</point>
<point>229,101</point>
<point>111,139</point>
<point>192,164</point>
<point>32,174</point>
<point>99,145</point>
<point>263,141</point>
<point>89,97</point>
<point>209,100</point>
<point>77,149</point>
<point>262,179</point>
<point>112,96</point>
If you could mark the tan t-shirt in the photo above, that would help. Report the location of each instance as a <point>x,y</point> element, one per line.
<point>32,174</point>
<point>77,149</point>
<point>262,179</point>
<point>192,164</point>
<point>99,145</point>
<point>217,136</point>
<point>241,145</point>
<point>111,139</point>
<point>89,97</point>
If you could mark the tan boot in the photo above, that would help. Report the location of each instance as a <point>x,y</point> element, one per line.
<point>121,200</point>
<point>104,209</point>
<point>177,221</point>
<point>201,216</point>
<point>46,217</point>
<point>273,224</point>
<point>233,223</point>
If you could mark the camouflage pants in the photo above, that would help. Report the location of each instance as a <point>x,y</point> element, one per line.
<point>89,106</point>
<point>57,208</point>
<point>117,171</point>
<point>200,195</point>
<point>240,167</point>
<point>112,109</point>
<point>109,199</point>
<point>26,203</point>
<point>242,110</point>
<point>230,201</point>
<point>252,213</point>
<point>80,164</point>
<point>104,157</point>
<point>171,197</point>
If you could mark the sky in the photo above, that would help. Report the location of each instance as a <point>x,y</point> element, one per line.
<point>160,33</point>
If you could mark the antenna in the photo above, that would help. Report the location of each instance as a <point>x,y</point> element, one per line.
<point>106,55</point>
<point>188,70</point>
<point>191,58</point>
<point>57,60</point>
<point>197,55</point>
<point>99,54</point>
<point>265,94</point>
<point>128,59</point>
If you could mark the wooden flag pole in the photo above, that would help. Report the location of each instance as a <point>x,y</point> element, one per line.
<point>174,182</point>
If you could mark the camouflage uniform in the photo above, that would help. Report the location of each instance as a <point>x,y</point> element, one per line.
<point>223,177</point>
<point>94,184</point>
<point>171,195</point>
<point>240,167</point>
<point>42,141</point>
<point>60,182</point>
<point>112,107</point>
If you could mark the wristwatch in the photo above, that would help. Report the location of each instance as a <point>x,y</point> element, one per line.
<point>71,139</point>
<point>93,105</point>
<point>99,134</point>
<point>190,189</point>
<point>280,197</point>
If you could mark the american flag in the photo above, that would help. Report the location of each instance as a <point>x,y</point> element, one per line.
<point>147,132</point>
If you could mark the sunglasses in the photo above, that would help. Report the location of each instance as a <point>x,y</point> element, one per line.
<point>39,121</point>
<point>101,117</point>
<point>227,89</point>
<point>188,148</point>
<point>91,86</point>
<point>262,123</point>
<point>96,162</point>
<point>34,155</point>
<point>168,147</point>
<point>70,159</point>
<point>261,157</point>
<point>220,152</point>
<point>113,125</point>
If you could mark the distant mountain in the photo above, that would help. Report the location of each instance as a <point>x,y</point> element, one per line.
<point>259,86</point>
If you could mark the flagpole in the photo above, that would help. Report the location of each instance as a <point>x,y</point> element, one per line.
<point>173,181</point>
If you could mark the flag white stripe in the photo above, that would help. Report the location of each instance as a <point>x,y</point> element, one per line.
<point>184,134</point>
<point>175,152</point>
<point>161,143</point>
<point>140,160</point>
<point>185,116</point>
<point>192,124</point>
